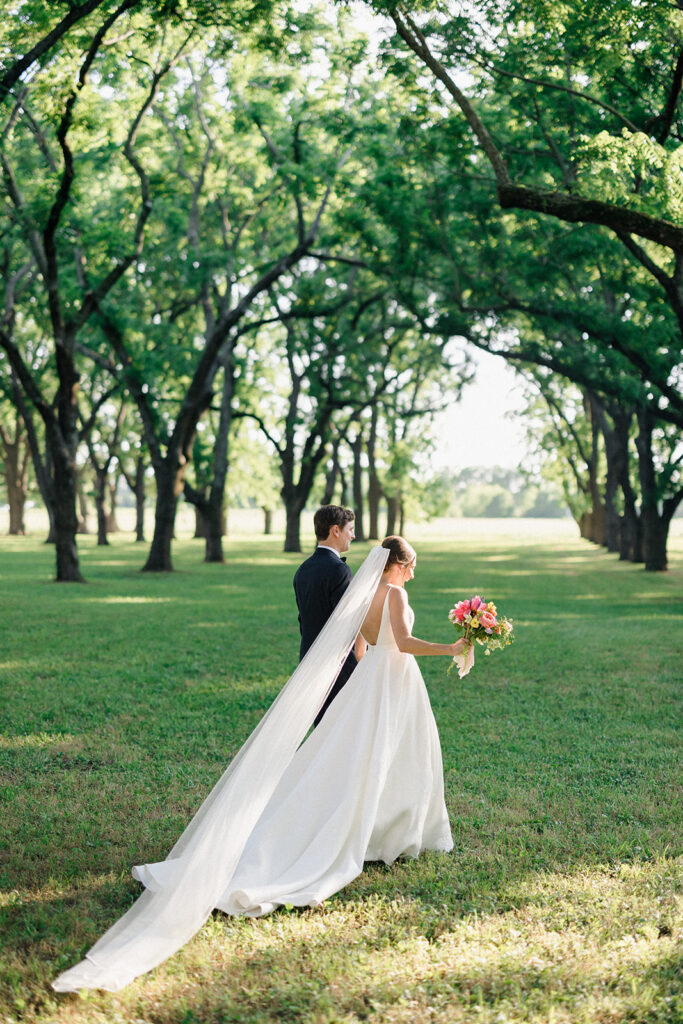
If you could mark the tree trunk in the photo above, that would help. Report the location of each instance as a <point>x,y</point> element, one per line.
<point>630,536</point>
<point>16,496</point>
<point>16,500</point>
<point>267,520</point>
<point>52,526</point>
<point>215,515</point>
<point>617,456</point>
<point>82,522</point>
<point>169,484</point>
<point>374,486</point>
<point>295,494</point>
<point>616,453</point>
<point>392,515</point>
<point>293,526</point>
<point>62,436</point>
<point>344,495</point>
<point>66,522</point>
<point>374,496</point>
<point>215,527</point>
<point>655,526</point>
<point>139,500</point>
<point>402,518</point>
<point>611,522</point>
<point>100,505</point>
<point>200,526</point>
<point>631,529</point>
<point>331,478</point>
<point>15,462</point>
<point>112,491</point>
<point>41,467</point>
<point>210,519</point>
<point>655,536</point>
<point>595,524</point>
<point>357,449</point>
<point>597,514</point>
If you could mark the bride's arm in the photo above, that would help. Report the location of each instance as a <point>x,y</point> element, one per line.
<point>400,624</point>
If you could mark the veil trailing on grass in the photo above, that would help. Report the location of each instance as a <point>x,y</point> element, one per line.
<point>182,891</point>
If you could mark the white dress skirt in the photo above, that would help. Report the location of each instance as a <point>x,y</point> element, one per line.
<point>366,785</point>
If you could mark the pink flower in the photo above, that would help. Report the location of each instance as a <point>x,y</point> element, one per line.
<point>488,620</point>
<point>476,602</point>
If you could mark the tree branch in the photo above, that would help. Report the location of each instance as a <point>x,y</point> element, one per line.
<point>328,257</point>
<point>32,233</point>
<point>12,75</point>
<point>241,414</point>
<point>411,34</point>
<point>562,205</point>
<point>64,190</point>
<point>24,374</point>
<point>93,298</point>
<point>592,211</point>
<point>561,88</point>
<point>667,115</point>
<point>87,425</point>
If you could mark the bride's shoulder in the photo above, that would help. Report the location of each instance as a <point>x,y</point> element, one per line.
<point>397,594</point>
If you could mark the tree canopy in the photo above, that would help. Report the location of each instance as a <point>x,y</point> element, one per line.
<point>215,214</point>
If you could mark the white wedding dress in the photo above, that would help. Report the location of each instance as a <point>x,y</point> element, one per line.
<point>366,785</point>
<point>292,822</point>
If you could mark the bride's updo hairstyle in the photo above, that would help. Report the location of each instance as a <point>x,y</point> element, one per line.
<point>400,552</point>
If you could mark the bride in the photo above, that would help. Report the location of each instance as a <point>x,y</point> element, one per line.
<point>291,822</point>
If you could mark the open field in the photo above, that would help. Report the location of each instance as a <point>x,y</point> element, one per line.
<point>123,699</point>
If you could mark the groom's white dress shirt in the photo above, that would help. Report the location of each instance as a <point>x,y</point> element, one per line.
<point>328,548</point>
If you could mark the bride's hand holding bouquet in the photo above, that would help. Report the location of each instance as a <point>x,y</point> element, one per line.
<point>478,621</point>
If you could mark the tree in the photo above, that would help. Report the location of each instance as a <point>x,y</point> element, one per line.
<point>615,135</point>
<point>568,443</point>
<point>103,445</point>
<point>531,290</point>
<point>630,69</point>
<point>76,244</point>
<point>15,455</point>
<point>321,382</point>
<point>253,480</point>
<point>42,254</point>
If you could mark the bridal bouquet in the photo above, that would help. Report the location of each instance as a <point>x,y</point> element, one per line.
<point>477,620</point>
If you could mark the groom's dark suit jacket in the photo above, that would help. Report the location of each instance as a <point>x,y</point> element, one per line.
<point>319,583</point>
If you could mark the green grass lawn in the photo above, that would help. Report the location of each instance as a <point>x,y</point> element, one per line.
<point>123,699</point>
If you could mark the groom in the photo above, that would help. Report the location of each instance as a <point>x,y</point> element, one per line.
<point>319,583</point>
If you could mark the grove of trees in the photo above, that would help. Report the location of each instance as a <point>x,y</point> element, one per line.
<point>255,243</point>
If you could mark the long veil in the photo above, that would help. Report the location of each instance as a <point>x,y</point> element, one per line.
<point>183,890</point>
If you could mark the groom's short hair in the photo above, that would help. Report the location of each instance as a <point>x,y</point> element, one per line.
<point>328,516</point>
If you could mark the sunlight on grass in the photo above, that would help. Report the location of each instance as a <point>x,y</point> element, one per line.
<point>130,600</point>
<point>38,740</point>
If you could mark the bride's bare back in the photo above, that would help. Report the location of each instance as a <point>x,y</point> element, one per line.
<point>373,620</point>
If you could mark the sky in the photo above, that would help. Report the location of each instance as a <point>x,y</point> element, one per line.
<point>490,403</point>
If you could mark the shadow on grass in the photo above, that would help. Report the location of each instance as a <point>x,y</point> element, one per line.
<point>584,941</point>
